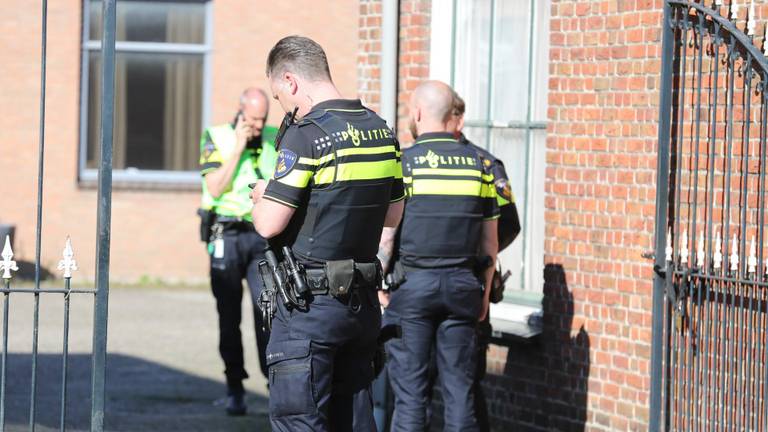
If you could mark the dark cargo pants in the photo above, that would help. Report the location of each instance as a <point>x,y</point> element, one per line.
<point>437,309</point>
<point>320,364</point>
<point>243,249</point>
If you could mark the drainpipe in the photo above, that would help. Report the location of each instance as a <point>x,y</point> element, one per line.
<point>390,28</point>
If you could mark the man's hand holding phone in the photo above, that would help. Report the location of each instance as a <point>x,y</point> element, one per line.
<point>243,132</point>
<point>258,190</point>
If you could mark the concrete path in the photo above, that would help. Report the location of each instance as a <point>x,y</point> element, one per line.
<point>163,368</point>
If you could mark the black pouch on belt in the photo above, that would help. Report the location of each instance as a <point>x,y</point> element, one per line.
<point>340,275</point>
<point>369,273</point>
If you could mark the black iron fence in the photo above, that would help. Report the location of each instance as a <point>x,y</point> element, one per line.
<point>709,366</point>
<point>68,264</point>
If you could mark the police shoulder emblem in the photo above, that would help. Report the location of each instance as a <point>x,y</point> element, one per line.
<point>286,160</point>
<point>503,189</point>
<point>208,149</point>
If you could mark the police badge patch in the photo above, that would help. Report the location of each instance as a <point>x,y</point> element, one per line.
<point>208,149</point>
<point>503,189</point>
<point>286,160</point>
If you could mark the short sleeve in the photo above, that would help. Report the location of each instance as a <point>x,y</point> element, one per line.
<point>294,169</point>
<point>398,189</point>
<point>489,197</point>
<point>504,195</point>
<point>210,157</point>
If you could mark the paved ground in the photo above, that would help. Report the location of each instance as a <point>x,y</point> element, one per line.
<point>164,373</point>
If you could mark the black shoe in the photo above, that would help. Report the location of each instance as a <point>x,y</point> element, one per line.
<point>236,405</point>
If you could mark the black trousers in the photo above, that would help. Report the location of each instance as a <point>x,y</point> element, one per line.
<point>242,251</point>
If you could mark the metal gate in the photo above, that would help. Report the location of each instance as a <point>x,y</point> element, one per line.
<point>67,264</point>
<point>709,366</point>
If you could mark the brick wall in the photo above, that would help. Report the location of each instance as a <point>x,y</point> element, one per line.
<point>154,231</point>
<point>599,217</point>
<point>413,55</point>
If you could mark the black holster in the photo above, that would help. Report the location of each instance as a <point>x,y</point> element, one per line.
<point>207,219</point>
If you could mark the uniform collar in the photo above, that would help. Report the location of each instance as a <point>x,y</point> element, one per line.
<point>339,105</point>
<point>435,136</point>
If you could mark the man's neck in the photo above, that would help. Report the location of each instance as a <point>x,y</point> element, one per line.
<point>317,93</point>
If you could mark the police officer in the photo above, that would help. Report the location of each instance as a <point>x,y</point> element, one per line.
<point>450,215</point>
<point>338,181</point>
<point>234,155</point>
<point>508,229</point>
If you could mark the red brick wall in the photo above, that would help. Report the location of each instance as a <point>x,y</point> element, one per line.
<point>600,205</point>
<point>413,55</point>
<point>154,232</point>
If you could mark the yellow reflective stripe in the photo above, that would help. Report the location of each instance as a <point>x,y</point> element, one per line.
<point>488,191</point>
<point>357,171</point>
<point>366,150</point>
<point>446,172</point>
<point>398,170</point>
<point>296,178</point>
<point>470,188</point>
<point>488,177</point>
<point>494,217</point>
<point>436,140</point>
<point>408,179</point>
<point>308,161</point>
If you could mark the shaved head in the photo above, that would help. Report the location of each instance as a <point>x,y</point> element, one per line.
<point>254,107</point>
<point>432,108</point>
<point>435,99</point>
<point>254,96</point>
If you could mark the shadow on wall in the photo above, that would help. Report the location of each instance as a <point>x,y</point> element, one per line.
<point>141,395</point>
<point>545,384</point>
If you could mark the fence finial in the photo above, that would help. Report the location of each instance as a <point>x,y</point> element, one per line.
<point>734,253</point>
<point>751,19</point>
<point>668,249</point>
<point>717,260</point>
<point>752,261</point>
<point>8,264</point>
<point>68,263</point>
<point>733,12</point>
<point>684,248</point>
<point>700,251</point>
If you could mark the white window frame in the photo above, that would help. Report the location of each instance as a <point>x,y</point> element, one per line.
<point>133,175</point>
<point>525,297</point>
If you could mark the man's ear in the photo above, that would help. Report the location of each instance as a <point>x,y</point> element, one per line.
<point>460,123</point>
<point>292,80</point>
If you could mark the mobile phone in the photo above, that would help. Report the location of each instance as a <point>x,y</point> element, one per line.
<point>237,116</point>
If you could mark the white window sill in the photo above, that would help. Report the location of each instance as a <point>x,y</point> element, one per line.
<point>516,318</point>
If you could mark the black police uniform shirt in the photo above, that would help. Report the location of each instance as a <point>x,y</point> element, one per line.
<point>509,221</point>
<point>339,166</point>
<point>449,195</point>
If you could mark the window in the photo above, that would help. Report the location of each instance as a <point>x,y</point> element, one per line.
<point>495,54</point>
<point>160,89</point>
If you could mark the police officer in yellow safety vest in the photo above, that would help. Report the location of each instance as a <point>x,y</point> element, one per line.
<point>232,156</point>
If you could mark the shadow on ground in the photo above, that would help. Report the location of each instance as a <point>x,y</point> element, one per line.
<point>141,396</point>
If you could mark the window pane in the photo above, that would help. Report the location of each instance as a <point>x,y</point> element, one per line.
<point>158,104</point>
<point>510,60</point>
<point>471,62</point>
<point>145,21</point>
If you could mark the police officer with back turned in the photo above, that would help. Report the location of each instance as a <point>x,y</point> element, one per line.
<point>232,156</point>
<point>448,248</point>
<point>337,183</point>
